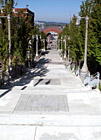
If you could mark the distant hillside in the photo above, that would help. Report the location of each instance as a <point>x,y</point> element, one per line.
<point>50,23</point>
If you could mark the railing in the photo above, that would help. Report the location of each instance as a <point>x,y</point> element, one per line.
<point>87,79</point>
<point>61,53</point>
<point>68,66</point>
<point>94,82</point>
<point>6,79</point>
<point>77,71</point>
<point>73,68</point>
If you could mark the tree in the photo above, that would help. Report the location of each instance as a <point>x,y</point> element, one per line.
<point>6,6</point>
<point>75,48</point>
<point>20,34</point>
<point>94,47</point>
<point>92,8</point>
<point>74,42</point>
<point>65,32</point>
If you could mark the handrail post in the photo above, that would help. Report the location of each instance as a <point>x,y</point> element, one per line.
<point>98,77</point>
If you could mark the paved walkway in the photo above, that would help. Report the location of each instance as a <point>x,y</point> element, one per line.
<point>50,103</point>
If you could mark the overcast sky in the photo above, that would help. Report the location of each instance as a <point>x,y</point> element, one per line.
<point>52,10</point>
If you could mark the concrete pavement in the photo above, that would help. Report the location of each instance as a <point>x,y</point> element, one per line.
<point>50,103</point>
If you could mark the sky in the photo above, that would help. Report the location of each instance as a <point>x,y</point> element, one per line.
<point>51,10</point>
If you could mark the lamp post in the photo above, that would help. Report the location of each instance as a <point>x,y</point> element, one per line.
<point>84,69</point>
<point>44,45</point>
<point>29,54</point>
<point>61,44</point>
<point>33,50</point>
<point>68,47</point>
<point>65,48</point>
<point>9,39</point>
<point>40,41</point>
<point>36,45</point>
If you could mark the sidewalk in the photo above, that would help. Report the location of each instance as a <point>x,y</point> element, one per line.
<point>50,103</point>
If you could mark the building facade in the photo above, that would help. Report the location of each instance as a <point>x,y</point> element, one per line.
<point>25,12</point>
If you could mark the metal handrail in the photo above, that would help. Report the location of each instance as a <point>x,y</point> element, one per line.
<point>87,79</point>
<point>68,66</point>
<point>73,68</point>
<point>95,75</point>
<point>77,71</point>
<point>94,82</point>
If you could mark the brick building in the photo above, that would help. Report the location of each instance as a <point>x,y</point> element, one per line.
<point>25,12</point>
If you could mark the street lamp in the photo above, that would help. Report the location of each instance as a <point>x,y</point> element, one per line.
<point>36,45</point>
<point>44,49</point>
<point>40,41</point>
<point>9,39</point>
<point>61,43</point>
<point>33,50</point>
<point>68,47</point>
<point>84,69</point>
<point>65,48</point>
<point>29,54</point>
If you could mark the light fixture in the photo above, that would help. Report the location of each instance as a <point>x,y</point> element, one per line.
<point>77,22</point>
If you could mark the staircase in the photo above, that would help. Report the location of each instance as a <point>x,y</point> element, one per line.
<point>50,96</point>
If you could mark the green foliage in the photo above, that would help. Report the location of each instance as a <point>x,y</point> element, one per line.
<point>21,32</point>
<point>75,48</point>
<point>43,35</point>
<point>99,86</point>
<point>35,30</point>
<point>74,44</point>
<point>94,43</point>
<point>92,8</point>
<point>64,33</point>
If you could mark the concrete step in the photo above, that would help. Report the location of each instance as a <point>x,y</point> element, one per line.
<point>51,88</point>
<point>51,120</point>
